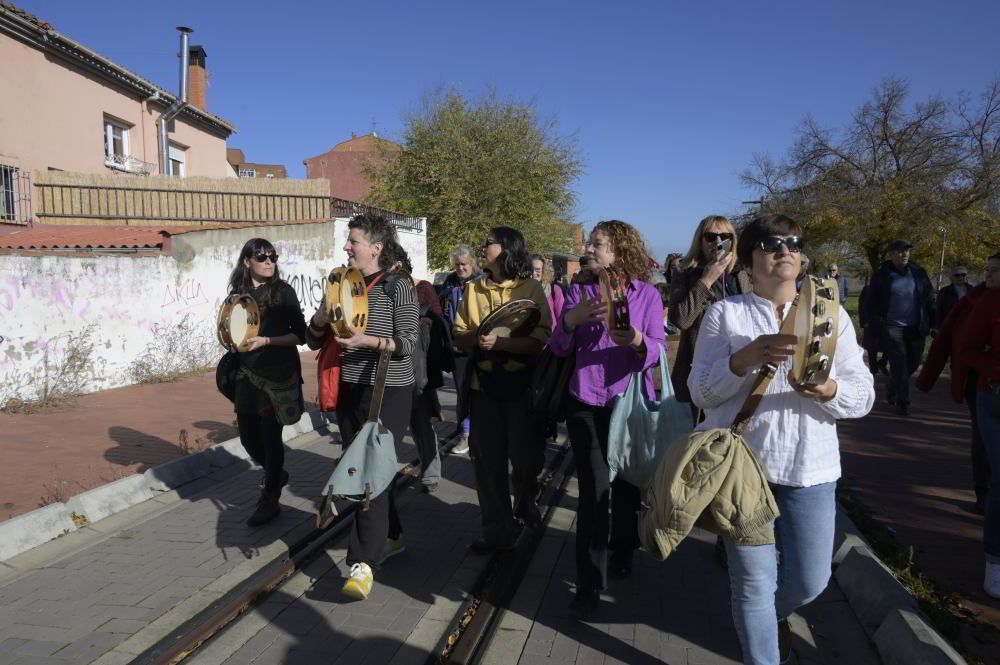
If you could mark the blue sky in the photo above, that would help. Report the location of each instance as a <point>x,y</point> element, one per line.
<point>668,101</point>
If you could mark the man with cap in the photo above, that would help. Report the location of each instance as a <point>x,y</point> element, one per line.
<point>902,309</point>
<point>951,294</point>
<point>833,272</point>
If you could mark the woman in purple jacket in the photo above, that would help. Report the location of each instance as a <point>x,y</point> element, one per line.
<point>604,362</point>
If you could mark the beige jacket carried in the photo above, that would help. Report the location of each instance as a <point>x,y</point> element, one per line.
<point>711,480</point>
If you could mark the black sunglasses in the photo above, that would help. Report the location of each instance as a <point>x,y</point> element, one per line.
<point>261,257</point>
<point>488,242</point>
<point>713,237</point>
<point>961,274</point>
<point>771,244</point>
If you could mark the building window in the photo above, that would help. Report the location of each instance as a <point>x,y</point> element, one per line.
<point>176,164</point>
<point>269,175</point>
<point>115,143</point>
<point>248,173</point>
<point>8,193</point>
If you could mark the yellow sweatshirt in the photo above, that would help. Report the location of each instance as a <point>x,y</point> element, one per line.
<point>483,296</point>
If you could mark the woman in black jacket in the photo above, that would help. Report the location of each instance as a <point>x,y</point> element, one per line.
<point>270,364</point>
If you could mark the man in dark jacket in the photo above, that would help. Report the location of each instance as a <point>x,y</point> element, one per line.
<point>948,296</point>
<point>902,309</point>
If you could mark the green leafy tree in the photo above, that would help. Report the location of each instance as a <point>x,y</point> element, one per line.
<point>929,173</point>
<point>468,166</point>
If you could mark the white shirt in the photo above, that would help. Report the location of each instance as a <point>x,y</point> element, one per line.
<point>794,437</point>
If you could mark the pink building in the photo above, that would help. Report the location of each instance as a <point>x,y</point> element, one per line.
<point>71,109</point>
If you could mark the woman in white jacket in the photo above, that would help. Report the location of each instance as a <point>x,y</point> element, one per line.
<point>793,433</point>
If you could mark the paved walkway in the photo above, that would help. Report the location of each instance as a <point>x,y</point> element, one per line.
<point>914,473</point>
<point>102,437</point>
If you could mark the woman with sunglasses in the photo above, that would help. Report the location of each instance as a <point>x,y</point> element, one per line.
<point>499,404</point>
<point>605,361</point>
<point>271,359</point>
<point>793,433</point>
<point>708,274</point>
<point>373,248</point>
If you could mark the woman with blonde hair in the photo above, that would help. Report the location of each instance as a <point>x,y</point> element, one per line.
<point>709,273</point>
<point>605,361</point>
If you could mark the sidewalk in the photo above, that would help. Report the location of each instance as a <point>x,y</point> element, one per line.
<point>102,437</point>
<point>915,474</point>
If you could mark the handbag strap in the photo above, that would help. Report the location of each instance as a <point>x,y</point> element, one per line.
<point>764,376</point>
<point>375,410</point>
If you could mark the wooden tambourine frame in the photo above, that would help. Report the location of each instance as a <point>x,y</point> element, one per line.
<point>816,326</point>
<point>239,316</point>
<point>513,319</point>
<point>346,301</point>
<point>612,286</point>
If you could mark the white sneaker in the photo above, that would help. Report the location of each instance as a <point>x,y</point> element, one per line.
<point>462,447</point>
<point>991,583</point>
<point>359,583</point>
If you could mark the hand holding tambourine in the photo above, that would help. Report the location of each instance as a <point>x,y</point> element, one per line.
<point>588,310</point>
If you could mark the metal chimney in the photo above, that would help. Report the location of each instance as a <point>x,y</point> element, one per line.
<point>178,104</point>
<point>184,61</point>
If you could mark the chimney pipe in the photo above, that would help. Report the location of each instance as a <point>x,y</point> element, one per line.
<point>177,106</point>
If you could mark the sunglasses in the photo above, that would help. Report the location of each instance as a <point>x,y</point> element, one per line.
<point>260,258</point>
<point>961,274</point>
<point>488,242</point>
<point>714,237</point>
<point>771,244</point>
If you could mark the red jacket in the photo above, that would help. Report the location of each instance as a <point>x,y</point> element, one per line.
<point>981,332</point>
<point>945,347</point>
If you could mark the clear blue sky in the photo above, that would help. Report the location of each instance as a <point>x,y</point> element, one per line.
<point>668,100</point>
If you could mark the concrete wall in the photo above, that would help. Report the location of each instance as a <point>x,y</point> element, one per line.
<point>84,323</point>
<point>53,116</point>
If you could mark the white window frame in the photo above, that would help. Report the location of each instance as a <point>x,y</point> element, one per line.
<point>110,158</point>
<point>248,173</point>
<point>177,153</point>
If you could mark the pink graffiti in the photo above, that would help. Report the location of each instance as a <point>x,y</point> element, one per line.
<point>189,294</point>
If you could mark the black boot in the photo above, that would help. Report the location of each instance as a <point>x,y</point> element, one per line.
<point>267,508</point>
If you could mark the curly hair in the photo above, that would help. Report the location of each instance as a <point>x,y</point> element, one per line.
<point>379,229</point>
<point>631,256</point>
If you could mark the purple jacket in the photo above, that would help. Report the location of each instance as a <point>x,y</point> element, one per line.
<point>603,368</point>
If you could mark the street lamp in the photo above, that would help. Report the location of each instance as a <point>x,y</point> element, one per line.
<point>944,238</point>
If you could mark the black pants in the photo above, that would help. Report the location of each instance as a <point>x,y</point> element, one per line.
<point>380,521</point>
<point>260,432</point>
<point>503,431</point>
<point>588,434</point>
<point>980,461</point>
<point>905,347</point>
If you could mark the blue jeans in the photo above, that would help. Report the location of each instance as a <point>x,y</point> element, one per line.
<point>989,429</point>
<point>764,590</point>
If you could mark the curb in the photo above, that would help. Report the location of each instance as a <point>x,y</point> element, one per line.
<point>25,532</point>
<point>886,610</point>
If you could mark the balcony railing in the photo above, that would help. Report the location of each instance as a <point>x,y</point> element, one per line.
<point>129,163</point>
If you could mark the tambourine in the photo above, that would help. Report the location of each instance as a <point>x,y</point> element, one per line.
<point>238,321</point>
<point>346,301</point>
<point>513,319</point>
<point>612,286</point>
<point>816,326</point>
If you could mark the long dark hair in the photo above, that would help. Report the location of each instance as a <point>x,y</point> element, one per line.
<point>515,261</point>
<point>240,280</point>
<point>379,229</point>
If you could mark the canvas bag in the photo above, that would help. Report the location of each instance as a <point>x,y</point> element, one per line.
<point>368,466</point>
<point>642,429</point>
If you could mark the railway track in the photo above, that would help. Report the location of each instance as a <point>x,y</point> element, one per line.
<point>470,629</point>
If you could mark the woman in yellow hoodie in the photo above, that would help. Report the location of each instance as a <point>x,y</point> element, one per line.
<point>499,404</point>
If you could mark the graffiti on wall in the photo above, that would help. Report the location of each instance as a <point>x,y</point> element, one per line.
<point>309,290</point>
<point>179,298</point>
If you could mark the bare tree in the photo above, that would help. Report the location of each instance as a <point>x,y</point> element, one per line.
<point>923,172</point>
